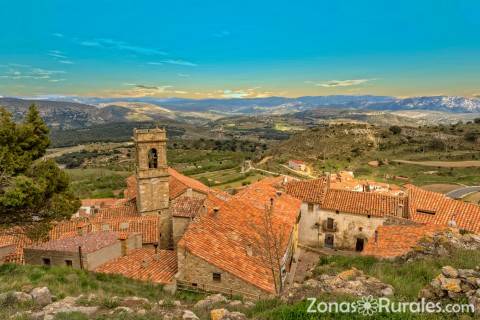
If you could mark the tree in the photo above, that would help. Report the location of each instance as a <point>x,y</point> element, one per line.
<point>272,240</point>
<point>395,129</point>
<point>33,191</point>
<point>476,120</point>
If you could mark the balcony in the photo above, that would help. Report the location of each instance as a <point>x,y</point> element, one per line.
<point>329,226</point>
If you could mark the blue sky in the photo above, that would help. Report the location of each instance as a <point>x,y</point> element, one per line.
<point>201,49</point>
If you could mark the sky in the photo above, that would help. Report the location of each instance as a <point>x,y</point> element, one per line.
<point>239,49</point>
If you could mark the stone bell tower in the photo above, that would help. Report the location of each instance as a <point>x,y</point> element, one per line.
<point>151,170</point>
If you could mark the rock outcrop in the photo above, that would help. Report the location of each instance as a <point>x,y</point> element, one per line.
<point>454,284</point>
<point>443,243</point>
<point>349,282</point>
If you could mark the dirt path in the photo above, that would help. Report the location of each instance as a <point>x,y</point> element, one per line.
<point>264,160</point>
<point>443,164</point>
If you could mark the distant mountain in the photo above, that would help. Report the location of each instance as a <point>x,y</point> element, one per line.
<point>286,105</point>
<point>79,112</point>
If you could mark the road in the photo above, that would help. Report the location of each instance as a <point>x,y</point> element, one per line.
<point>462,192</point>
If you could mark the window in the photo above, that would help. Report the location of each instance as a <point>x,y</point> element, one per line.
<point>46,261</point>
<point>329,223</point>
<point>217,277</point>
<point>337,212</point>
<point>310,207</point>
<point>68,263</point>
<point>152,159</point>
<point>194,284</point>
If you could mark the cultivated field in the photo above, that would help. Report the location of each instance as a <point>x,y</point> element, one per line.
<point>443,164</point>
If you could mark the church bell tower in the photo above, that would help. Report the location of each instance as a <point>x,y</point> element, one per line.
<point>151,170</point>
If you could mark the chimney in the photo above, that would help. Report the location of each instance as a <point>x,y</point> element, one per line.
<point>156,248</point>
<point>285,180</point>
<point>279,193</point>
<point>216,210</point>
<point>376,236</point>
<point>249,250</point>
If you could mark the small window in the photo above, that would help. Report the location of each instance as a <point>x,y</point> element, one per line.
<point>310,207</point>
<point>152,159</point>
<point>329,223</point>
<point>360,229</point>
<point>217,277</point>
<point>194,284</point>
<point>68,263</point>
<point>337,212</point>
<point>369,216</point>
<point>46,261</point>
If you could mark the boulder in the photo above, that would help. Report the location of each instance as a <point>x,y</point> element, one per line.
<point>189,315</point>
<point>449,272</point>
<point>122,309</point>
<point>349,274</point>
<point>452,285</point>
<point>134,302</point>
<point>234,316</point>
<point>387,291</point>
<point>15,297</point>
<point>210,301</point>
<point>235,303</point>
<point>41,296</point>
<point>217,314</point>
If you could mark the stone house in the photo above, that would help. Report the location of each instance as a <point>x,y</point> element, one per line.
<point>298,165</point>
<point>222,249</point>
<point>341,219</point>
<point>6,249</point>
<point>83,251</point>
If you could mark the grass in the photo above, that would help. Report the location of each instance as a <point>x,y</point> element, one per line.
<point>97,183</point>
<point>64,281</point>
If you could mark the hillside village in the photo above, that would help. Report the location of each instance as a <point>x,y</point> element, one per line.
<point>173,230</point>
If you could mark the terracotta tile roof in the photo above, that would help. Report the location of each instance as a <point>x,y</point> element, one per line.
<point>144,264</point>
<point>129,210</point>
<point>223,238</point>
<point>100,203</point>
<point>312,191</point>
<point>397,240</point>
<point>431,207</point>
<point>180,183</point>
<point>89,242</point>
<point>19,240</point>
<point>187,207</point>
<point>148,226</point>
<point>365,203</point>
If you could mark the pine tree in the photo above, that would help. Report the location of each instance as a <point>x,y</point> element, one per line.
<point>33,191</point>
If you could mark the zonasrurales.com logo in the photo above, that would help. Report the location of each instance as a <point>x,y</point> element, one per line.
<point>367,306</point>
<point>370,305</point>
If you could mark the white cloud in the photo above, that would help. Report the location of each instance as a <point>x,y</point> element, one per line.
<point>244,93</point>
<point>339,83</point>
<point>139,90</point>
<point>66,62</point>
<point>155,63</point>
<point>57,34</point>
<point>183,75</point>
<point>57,80</point>
<point>180,62</point>
<point>120,45</point>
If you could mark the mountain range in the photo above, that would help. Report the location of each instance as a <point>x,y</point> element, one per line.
<point>77,112</point>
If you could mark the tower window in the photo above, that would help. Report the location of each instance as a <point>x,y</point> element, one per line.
<point>152,159</point>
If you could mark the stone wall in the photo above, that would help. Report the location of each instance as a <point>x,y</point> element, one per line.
<point>6,250</point>
<point>198,271</point>
<point>99,257</point>
<point>57,258</point>
<point>179,226</point>
<point>348,227</point>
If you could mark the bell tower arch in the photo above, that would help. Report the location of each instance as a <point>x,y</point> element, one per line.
<point>151,170</point>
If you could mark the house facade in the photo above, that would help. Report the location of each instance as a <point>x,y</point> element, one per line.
<point>84,251</point>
